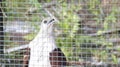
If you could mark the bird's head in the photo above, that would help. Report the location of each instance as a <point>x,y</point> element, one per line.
<point>47,25</point>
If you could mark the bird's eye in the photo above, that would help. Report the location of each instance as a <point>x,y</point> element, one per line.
<point>45,21</point>
<point>53,19</point>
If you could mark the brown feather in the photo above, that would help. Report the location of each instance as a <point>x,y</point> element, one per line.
<point>57,58</point>
<point>26,58</point>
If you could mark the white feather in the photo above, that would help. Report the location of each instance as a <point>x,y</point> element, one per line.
<point>41,46</point>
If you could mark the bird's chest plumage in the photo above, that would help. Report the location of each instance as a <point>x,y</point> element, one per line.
<point>39,55</point>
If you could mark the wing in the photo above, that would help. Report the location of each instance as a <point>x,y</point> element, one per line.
<point>26,57</point>
<point>57,58</point>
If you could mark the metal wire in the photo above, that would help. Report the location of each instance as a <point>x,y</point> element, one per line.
<point>87,30</point>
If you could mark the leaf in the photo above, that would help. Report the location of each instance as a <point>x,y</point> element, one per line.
<point>114,59</point>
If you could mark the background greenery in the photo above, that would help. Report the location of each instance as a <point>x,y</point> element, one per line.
<point>74,42</point>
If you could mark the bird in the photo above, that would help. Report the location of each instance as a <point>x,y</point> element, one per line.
<point>43,51</point>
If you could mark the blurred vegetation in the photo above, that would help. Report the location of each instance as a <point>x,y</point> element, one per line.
<point>71,39</point>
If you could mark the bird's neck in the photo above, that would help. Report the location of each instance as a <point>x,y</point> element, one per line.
<point>45,34</point>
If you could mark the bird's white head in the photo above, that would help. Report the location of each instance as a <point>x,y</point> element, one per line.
<point>47,25</point>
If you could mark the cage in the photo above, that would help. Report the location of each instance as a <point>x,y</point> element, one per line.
<point>87,31</point>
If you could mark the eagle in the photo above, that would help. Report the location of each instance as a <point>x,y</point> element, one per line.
<point>43,51</point>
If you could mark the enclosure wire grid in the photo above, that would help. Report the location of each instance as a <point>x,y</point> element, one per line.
<point>85,33</point>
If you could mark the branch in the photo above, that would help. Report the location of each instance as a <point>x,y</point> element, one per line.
<point>105,32</point>
<point>51,15</point>
<point>114,40</point>
<point>15,48</point>
<point>3,11</point>
<point>45,5</point>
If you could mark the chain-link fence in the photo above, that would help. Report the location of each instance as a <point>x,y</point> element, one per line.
<point>87,31</point>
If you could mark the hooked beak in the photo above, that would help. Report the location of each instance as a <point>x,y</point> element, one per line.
<point>52,20</point>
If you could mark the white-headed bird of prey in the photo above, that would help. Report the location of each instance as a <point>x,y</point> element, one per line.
<point>43,49</point>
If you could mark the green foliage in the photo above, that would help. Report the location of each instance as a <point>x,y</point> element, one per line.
<point>111,18</point>
<point>96,10</point>
<point>11,8</point>
<point>69,24</point>
<point>70,40</point>
<point>94,7</point>
<point>35,3</point>
<point>115,60</point>
<point>101,52</point>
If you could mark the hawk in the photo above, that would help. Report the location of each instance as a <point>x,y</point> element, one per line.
<point>43,49</point>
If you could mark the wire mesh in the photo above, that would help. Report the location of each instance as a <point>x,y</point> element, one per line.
<point>87,31</point>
